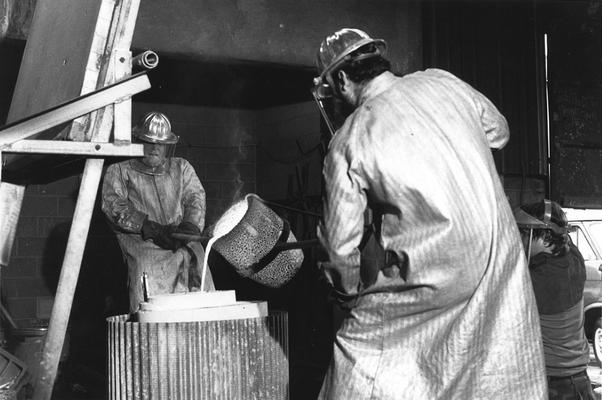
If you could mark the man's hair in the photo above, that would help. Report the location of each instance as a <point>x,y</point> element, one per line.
<point>364,69</point>
<point>559,242</point>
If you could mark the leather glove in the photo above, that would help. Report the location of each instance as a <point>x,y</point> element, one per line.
<point>159,234</point>
<point>188,228</point>
<point>150,229</point>
<point>164,239</point>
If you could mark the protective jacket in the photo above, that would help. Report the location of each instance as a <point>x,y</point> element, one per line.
<point>453,315</point>
<point>130,194</point>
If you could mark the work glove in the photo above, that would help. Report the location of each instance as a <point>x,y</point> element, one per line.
<point>187,228</point>
<point>150,229</point>
<point>160,234</point>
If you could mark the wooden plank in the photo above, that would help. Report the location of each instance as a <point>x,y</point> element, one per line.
<point>119,39</point>
<point>56,54</point>
<point>75,148</point>
<point>122,111</point>
<point>73,109</point>
<point>63,300</point>
<point>81,126</point>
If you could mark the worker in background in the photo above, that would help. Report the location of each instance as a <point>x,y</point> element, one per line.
<point>558,276</point>
<point>450,313</point>
<point>147,200</point>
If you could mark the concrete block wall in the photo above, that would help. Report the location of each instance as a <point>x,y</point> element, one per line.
<point>289,146</point>
<point>519,191</point>
<point>25,286</point>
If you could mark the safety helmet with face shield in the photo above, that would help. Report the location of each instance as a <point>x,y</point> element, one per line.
<point>552,219</point>
<point>336,50</point>
<point>154,127</point>
<point>154,131</point>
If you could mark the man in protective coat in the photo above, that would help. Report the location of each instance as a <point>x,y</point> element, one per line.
<point>147,200</point>
<point>449,313</point>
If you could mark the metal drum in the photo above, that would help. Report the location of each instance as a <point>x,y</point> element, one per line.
<point>209,360</point>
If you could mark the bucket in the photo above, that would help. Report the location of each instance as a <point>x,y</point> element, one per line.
<point>251,245</point>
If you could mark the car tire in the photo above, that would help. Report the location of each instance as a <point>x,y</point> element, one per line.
<point>597,339</point>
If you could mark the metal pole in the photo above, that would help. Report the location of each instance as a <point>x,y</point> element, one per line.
<point>324,114</point>
<point>61,309</point>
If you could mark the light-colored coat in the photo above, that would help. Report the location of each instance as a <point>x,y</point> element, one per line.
<point>459,320</point>
<point>129,195</point>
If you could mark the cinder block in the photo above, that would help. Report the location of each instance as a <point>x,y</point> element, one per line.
<point>27,226</point>
<point>66,206</point>
<point>220,172</point>
<point>63,187</point>
<point>20,267</point>
<point>30,247</point>
<point>39,206</point>
<point>9,288</point>
<point>22,308</point>
<point>51,225</point>
<point>44,307</point>
<point>31,287</point>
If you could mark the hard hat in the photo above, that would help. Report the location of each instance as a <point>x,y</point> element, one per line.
<point>335,50</point>
<point>526,220</point>
<point>154,127</point>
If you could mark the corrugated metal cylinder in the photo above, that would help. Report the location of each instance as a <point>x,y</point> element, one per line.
<point>208,360</point>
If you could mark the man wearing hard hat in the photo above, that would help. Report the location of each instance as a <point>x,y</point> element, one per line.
<point>450,314</point>
<point>147,200</point>
<point>558,275</point>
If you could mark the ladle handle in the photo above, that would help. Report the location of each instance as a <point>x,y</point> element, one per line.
<point>297,245</point>
<point>189,238</point>
<point>278,247</point>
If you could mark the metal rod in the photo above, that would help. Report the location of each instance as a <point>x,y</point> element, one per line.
<point>190,238</point>
<point>297,210</point>
<point>324,114</point>
<point>297,245</point>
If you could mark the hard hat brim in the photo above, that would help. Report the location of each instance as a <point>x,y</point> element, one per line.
<point>527,221</point>
<point>380,43</point>
<point>171,139</point>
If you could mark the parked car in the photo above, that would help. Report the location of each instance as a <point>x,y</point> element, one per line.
<point>586,234</point>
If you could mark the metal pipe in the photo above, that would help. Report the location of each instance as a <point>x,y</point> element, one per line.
<point>324,114</point>
<point>146,60</point>
<point>297,210</point>
<point>297,245</point>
